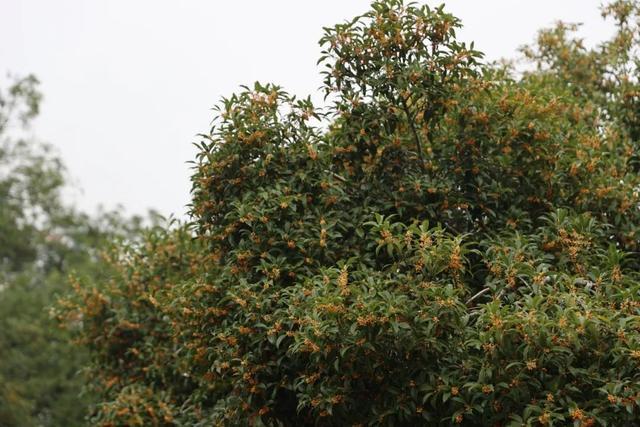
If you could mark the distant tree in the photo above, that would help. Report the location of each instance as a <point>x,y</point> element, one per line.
<point>42,241</point>
<point>448,242</point>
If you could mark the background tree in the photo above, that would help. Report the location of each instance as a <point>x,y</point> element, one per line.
<point>448,242</point>
<point>42,241</point>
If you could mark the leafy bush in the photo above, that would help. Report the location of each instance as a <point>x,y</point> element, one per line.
<point>447,243</point>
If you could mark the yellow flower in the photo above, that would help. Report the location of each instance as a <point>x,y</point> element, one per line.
<point>576,414</point>
<point>343,278</point>
<point>544,419</point>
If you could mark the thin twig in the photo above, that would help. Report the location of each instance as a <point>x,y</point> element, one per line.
<point>416,137</point>
<point>478,295</point>
<point>336,176</point>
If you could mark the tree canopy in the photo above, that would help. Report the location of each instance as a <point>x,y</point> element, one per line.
<point>446,242</point>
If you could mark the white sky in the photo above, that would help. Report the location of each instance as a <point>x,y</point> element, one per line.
<point>129,83</point>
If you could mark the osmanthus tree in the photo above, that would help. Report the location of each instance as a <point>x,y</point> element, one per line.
<point>445,244</point>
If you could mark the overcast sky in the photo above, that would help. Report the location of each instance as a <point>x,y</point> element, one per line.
<point>129,83</point>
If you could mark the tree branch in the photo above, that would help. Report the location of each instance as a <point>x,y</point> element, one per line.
<point>478,295</point>
<point>416,137</point>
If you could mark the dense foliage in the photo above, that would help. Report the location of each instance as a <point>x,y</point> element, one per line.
<point>448,242</point>
<point>42,241</point>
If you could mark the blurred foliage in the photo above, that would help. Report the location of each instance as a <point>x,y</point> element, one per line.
<point>42,241</point>
<point>448,242</point>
